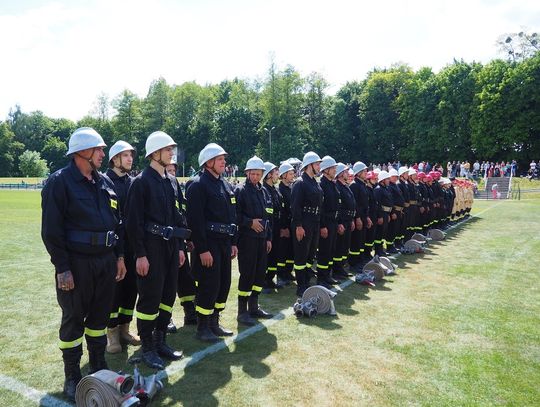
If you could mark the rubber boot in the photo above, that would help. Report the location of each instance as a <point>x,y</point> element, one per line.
<point>301,285</point>
<point>171,328</point>
<point>96,357</point>
<point>216,327</point>
<point>72,371</point>
<point>322,279</point>
<point>190,315</point>
<point>113,340</point>
<point>163,349</point>
<point>149,354</point>
<point>255,311</point>
<point>243,314</point>
<point>204,333</point>
<point>127,337</point>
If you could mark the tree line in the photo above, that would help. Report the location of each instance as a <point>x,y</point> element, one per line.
<point>466,111</point>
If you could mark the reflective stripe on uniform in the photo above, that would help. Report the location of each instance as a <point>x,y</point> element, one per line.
<point>322,267</point>
<point>281,264</point>
<point>219,305</point>
<point>256,288</point>
<point>146,317</point>
<point>70,344</point>
<point>125,311</point>
<point>113,315</point>
<point>299,267</point>
<point>289,261</point>
<point>272,268</point>
<point>244,293</point>
<point>204,311</point>
<point>354,253</point>
<point>95,332</point>
<point>187,298</point>
<point>165,307</point>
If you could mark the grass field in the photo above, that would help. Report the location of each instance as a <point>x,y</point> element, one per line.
<point>459,325</point>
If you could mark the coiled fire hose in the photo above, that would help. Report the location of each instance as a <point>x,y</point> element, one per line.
<point>106,388</point>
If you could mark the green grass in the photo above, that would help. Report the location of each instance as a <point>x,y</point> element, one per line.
<point>459,325</point>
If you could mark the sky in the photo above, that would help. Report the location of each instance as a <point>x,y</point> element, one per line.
<point>58,56</point>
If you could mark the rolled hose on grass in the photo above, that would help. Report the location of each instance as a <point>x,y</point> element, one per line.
<point>105,388</point>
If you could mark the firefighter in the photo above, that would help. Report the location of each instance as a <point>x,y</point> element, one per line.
<point>403,184</point>
<point>286,261</point>
<point>270,179</point>
<point>361,218</point>
<point>254,220</point>
<point>80,223</point>
<point>371,183</point>
<point>328,224</point>
<point>121,156</point>
<point>384,212</point>
<point>394,227</point>
<point>347,211</point>
<point>415,202</point>
<point>186,284</point>
<point>211,215</point>
<point>306,203</point>
<point>156,228</point>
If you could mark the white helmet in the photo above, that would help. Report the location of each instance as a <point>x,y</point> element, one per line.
<point>254,163</point>
<point>402,170</point>
<point>376,170</point>
<point>358,166</point>
<point>383,175</point>
<point>156,141</point>
<point>327,162</point>
<point>393,173</point>
<point>268,167</point>
<point>174,160</point>
<point>210,151</point>
<point>412,171</point>
<point>340,168</point>
<point>309,158</point>
<point>84,138</point>
<point>119,147</point>
<point>285,167</point>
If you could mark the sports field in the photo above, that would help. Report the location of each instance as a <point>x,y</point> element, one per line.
<point>458,325</point>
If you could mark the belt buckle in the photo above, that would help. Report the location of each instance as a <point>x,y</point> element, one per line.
<point>110,238</point>
<point>233,229</point>
<point>167,232</point>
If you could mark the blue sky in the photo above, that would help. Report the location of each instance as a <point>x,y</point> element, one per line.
<point>57,56</point>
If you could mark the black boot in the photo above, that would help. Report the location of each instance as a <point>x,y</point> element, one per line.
<point>72,371</point>
<point>96,357</point>
<point>255,311</point>
<point>171,328</point>
<point>322,279</point>
<point>149,354</point>
<point>163,349</point>
<point>216,327</point>
<point>204,333</point>
<point>243,314</point>
<point>190,315</point>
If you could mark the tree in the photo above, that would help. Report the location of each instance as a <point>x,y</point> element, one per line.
<point>519,46</point>
<point>9,151</point>
<point>54,152</point>
<point>32,165</point>
<point>128,121</point>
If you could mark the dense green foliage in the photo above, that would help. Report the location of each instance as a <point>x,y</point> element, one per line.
<point>466,111</point>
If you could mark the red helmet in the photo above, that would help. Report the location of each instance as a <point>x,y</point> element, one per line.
<point>437,174</point>
<point>421,175</point>
<point>428,177</point>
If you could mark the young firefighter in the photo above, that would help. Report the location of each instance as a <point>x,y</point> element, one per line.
<point>286,261</point>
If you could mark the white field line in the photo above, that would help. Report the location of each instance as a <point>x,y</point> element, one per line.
<point>46,400</point>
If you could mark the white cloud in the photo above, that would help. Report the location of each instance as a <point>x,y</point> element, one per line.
<point>59,56</point>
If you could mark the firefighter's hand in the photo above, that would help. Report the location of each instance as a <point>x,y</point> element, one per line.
<point>284,233</point>
<point>340,229</point>
<point>206,259</point>
<point>142,266</point>
<point>234,251</point>
<point>300,233</point>
<point>257,226</point>
<point>393,216</point>
<point>65,281</point>
<point>358,224</point>
<point>268,246</point>
<point>324,233</point>
<point>369,223</point>
<point>353,226</point>
<point>422,209</point>
<point>380,221</point>
<point>181,258</point>
<point>120,269</point>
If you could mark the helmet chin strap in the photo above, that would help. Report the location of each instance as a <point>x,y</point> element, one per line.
<point>90,161</point>
<point>121,167</point>
<point>160,161</point>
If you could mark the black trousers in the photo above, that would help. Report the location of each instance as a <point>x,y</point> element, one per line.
<point>327,250</point>
<point>343,244</point>
<point>86,308</point>
<point>273,257</point>
<point>157,290</point>
<point>213,283</point>
<point>125,294</point>
<point>370,237</point>
<point>358,244</point>
<point>304,254</point>
<point>381,232</point>
<point>286,255</point>
<point>252,261</point>
<point>186,283</point>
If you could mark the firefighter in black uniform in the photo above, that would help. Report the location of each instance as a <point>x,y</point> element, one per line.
<point>425,202</point>
<point>384,213</point>
<point>186,283</point>
<point>347,211</point>
<point>121,157</point>
<point>415,202</point>
<point>80,222</point>
<point>306,203</point>
<point>371,183</point>
<point>329,223</point>
<point>403,184</point>
<point>157,231</point>
<point>286,260</point>
<point>211,216</point>
<point>361,218</point>
<point>254,220</point>
<point>397,210</point>
<point>270,179</point>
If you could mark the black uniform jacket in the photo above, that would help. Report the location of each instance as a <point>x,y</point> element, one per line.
<point>347,209</point>
<point>331,202</point>
<point>253,202</point>
<point>361,197</point>
<point>306,201</point>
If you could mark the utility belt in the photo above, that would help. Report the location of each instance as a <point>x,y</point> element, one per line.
<point>407,204</point>
<point>398,208</point>
<point>413,202</point>
<point>167,232</point>
<point>313,210</point>
<point>386,208</point>
<point>331,215</point>
<point>106,239</point>
<point>223,228</point>
<point>350,213</point>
